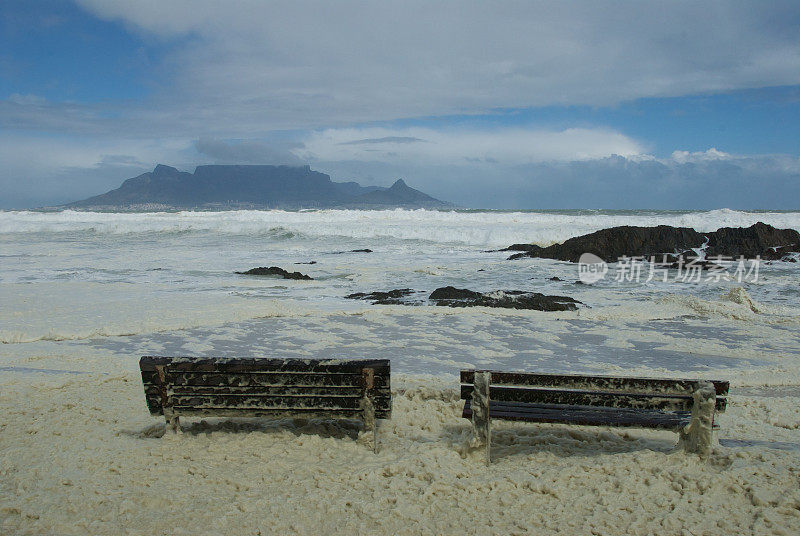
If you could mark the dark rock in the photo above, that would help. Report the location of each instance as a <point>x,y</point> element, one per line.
<point>309,262</point>
<point>452,293</point>
<point>365,250</point>
<point>611,244</point>
<point>522,247</point>
<point>514,299</point>
<point>393,297</point>
<point>757,240</point>
<point>555,278</point>
<point>274,270</point>
<point>455,297</point>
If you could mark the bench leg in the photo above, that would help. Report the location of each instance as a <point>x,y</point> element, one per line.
<point>370,422</point>
<point>368,405</point>
<point>481,420</point>
<point>173,421</point>
<point>698,436</point>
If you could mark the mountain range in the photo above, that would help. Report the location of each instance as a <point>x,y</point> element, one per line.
<point>237,187</point>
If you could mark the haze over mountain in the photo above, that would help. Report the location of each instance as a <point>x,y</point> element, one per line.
<point>256,186</point>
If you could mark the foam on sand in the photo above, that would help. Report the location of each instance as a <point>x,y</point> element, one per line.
<point>80,310</point>
<point>83,456</point>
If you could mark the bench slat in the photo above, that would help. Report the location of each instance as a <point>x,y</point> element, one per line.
<point>605,383</point>
<point>266,379</point>
<point>534,395</point>
<point>255,402</point>
<point>294,391</point>
<point>587,416</point>
<point>246,364</point>
<point>280,413</point>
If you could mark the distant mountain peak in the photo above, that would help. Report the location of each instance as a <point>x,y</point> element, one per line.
<point>161,169</point>
<point>254,186</point>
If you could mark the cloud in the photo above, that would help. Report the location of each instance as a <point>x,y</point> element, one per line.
<point>249,67</point>
<point>684,157</point>
<point>249,152</point>
<point>51,170</point>
<point>618,182</point>
<point>385,139</point>
<point>461,146</point>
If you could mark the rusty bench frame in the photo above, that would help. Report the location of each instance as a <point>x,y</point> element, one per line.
<point>276,388</point>
<point>687,407</point>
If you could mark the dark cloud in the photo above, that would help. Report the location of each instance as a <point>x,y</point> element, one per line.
<point>616,182</point>
<point>248,152</point>
<point>387,139</point>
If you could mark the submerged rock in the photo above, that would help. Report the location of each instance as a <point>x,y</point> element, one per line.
<point>393,297</point>
<point>511,299</point>
<point>274,270</point>
<point>759,240</point>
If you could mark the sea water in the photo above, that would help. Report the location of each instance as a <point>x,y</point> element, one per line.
<point>134,283</point>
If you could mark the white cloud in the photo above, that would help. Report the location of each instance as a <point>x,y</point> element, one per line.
<point>683,157</point>
<point>509,146</point>
<point>249,66</point>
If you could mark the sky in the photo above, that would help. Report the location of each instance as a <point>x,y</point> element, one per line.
<point>502,104</point>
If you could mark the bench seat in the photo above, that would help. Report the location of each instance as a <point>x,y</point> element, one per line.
<point>260,387</point>
<point>686,406</point>
<point>584,415</point>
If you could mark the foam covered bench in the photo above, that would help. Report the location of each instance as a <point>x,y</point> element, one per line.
<point>253,387</point>
<point>686,406</point>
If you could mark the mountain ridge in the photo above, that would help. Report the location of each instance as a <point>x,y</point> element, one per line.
<point>223,187</point>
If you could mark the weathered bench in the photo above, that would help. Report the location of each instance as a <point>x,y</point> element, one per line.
<point>250,387</point>
<point>684,406</point>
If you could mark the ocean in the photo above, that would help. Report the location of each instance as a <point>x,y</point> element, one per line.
<point>136,283</point>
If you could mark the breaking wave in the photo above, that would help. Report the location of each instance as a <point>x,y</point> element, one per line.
<point>475,228</point>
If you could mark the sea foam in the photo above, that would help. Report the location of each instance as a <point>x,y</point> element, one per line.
<point>474,228</point>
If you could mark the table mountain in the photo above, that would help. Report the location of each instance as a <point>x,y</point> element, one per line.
<point>230,186</point>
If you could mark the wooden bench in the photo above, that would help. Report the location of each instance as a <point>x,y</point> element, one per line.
<point>252,387</point>
<point>684,406</point>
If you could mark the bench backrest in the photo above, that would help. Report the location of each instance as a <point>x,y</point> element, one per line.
<point>583,390</point>
<point>253,386</point>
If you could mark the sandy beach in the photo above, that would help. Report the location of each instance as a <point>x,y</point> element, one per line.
<point>82,456</point>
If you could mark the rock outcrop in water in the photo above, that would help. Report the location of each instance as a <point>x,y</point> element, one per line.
<point>458,297</point>
<point>239,187</point>
<point>274,270</point>
<point>610,244</point>
<point>508,299</point>
<point>393,297</point>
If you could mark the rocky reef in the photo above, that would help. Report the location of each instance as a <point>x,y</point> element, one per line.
<point>759,240</point>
